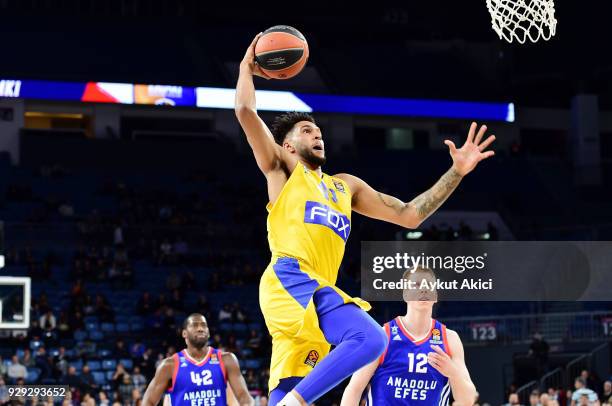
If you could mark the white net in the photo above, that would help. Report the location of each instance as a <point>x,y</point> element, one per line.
<point>523,19</point>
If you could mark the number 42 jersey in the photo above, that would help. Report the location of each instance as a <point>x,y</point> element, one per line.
<point>404,377</point>
<point>202,383</point>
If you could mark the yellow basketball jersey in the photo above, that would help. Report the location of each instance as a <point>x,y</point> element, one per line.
<point>311,221</point>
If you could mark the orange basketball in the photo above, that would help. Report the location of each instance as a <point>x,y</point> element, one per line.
<point>281,52</point>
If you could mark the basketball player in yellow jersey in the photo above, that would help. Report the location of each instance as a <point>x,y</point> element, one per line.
<point>309,220</point>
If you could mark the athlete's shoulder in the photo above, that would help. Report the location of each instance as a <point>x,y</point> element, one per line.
<point>455,346</point>
<point>229,357</point>
<point>167,365</point>
<point>350,182</point>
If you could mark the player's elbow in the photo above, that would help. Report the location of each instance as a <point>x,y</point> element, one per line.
<point>411,222</point>
<point>243,111</point>
<point>468,398</point>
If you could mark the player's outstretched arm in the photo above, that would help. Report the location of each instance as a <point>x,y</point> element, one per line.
<point>359,381</point>
<point>453,367</point>
<point>267,152</point>
<point>371,203</point>
<point>236,380</point>
<point>160,382</point>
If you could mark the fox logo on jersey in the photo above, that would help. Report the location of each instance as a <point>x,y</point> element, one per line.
<point>312,358</point>
<point>322,214</point>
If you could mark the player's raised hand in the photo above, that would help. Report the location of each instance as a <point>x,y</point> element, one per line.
<point>442,362</point>
<point>473,151</point>
<point>249,59</point>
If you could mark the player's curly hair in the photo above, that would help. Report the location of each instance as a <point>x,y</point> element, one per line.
<point>284,123</point>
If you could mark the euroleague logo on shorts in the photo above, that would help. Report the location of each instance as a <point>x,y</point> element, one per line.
<point>312,358</point>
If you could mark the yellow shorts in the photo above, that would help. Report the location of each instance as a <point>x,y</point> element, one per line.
<point>286,294</point>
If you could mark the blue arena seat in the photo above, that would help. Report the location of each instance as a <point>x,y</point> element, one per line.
<point>109,364</point>
<point>107,327</point>
<point>123,327</point>
<point>127,363</point>
<point>99,378</point>
<point>32,376</point>
<point>94,365</point>
<point>78,364</point>
<point>90,326</point>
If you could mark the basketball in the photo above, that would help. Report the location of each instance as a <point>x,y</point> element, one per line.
<point>281,52</point>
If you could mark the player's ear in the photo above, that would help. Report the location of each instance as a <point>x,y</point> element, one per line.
<point>288,147</point>
<point>184,333</point>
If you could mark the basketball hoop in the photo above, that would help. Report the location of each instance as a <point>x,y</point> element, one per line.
<point>523,19</point>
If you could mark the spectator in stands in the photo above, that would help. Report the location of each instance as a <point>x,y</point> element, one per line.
<point>63,325</point>
<point>606,393</point>
<point>189,281</point>
<point>214,283</point>
<point>103,399</point>
<point>252,380</point>
<point>145,304</point>
<point>539,351</point>
<point>125,388</point>
<point>16,370</point>
<point>43,362</point>
<point>581,389</point>
<point>534,398</point>
<point>181,248</point>
<point>27,360</point>
<point>147,363</point>
<point>77,322</point>
<point>225,314</point>
<point>254,343</point>
<point>47,321</point>
<point>121,256</point>
<point>119,374</point>
<point>114,275</point>
<point>165,254</point>
<point>238,315</point>
<point>138,379</point>
<point>72,379</point>
<point>136,397</point>
<point>584,400</point>
<point>176,300</point>
<point>61,363</point>
<point>513,399</point>
<point>591,380</point>
<point>3,367</point>
<point>137,349</point>
<point>544,399</point>
<point>88,400</point>
<point>4,395</point>
<point>121,351</point>
<point>89,383</point>
<point>103,310</point>
<point>118,235</point>
<point>162,302</point>
<point>173,281</point>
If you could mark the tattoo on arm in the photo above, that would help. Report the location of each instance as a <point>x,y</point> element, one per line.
<point>429,201</point>
<point>392,202</point>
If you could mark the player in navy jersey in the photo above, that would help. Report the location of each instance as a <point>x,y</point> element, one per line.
<point>423,363</point>
<point>199,374</point>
